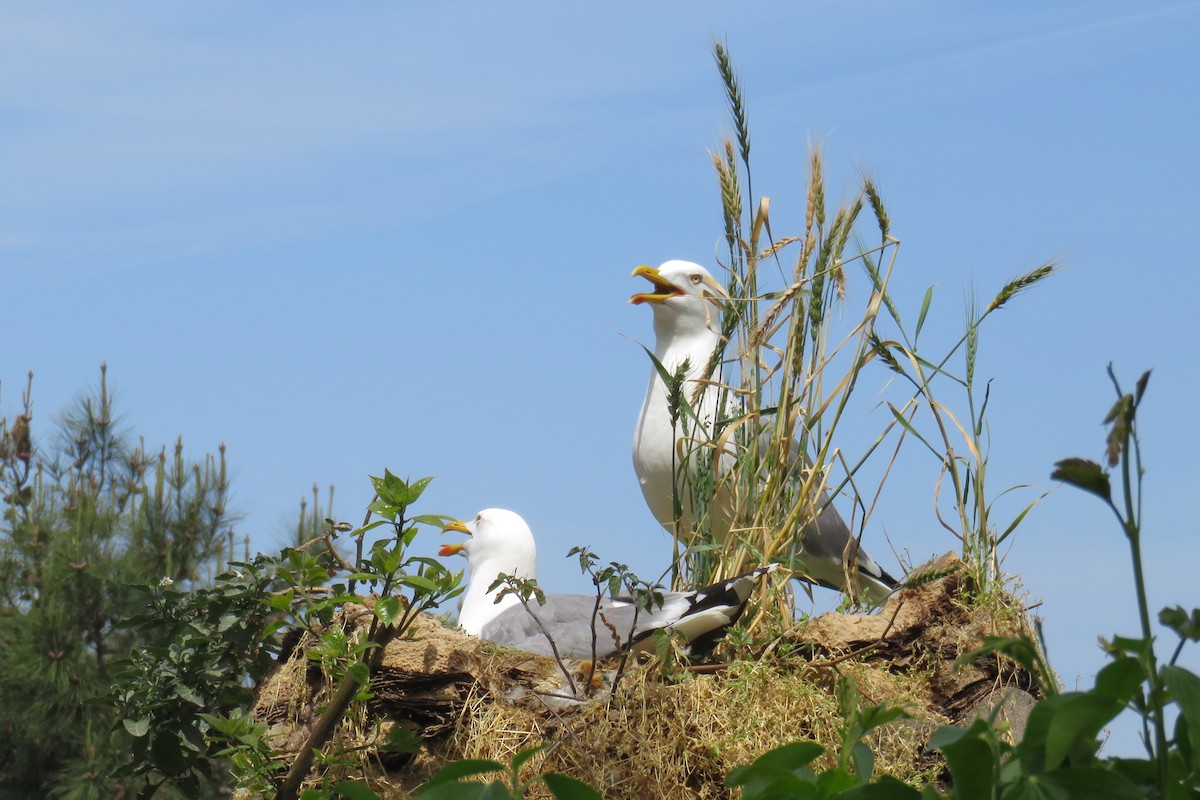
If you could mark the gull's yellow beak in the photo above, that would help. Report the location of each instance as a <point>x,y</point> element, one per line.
<point>452,549</point>
<point>663,289</point>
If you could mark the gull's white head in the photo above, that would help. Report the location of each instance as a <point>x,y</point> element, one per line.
<point>685,295</point>
<point>496,534</point>
<point>500,543</point>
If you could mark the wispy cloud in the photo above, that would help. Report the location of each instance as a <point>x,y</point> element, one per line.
<point>128,126</point>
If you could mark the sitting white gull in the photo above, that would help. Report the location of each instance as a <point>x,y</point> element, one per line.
<point>501,543</point>
<point>687,303</point>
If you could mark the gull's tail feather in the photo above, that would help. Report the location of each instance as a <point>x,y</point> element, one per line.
<point>818,558</point>
<point>712,609</point>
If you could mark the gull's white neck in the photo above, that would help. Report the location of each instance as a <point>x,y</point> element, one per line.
<point>680,337</point>
<point>677,336</point>
<point>479,606</point>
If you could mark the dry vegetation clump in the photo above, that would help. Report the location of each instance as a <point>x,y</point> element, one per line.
<point>656,738</point>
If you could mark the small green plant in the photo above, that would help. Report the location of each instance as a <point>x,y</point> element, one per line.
<point>785,772</point>
<point>201,647</point>
<point>961,445</point>
<point>454,781</point>
<point>185,700</point>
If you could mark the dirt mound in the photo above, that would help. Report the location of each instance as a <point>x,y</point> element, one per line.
<point>668,738</point>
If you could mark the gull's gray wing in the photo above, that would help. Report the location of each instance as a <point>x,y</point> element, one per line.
<point>701,616</point>
<point>567,618</point>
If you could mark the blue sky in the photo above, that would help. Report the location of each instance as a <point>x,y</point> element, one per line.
<point>346,237</point>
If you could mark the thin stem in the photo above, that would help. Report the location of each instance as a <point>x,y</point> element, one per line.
<point>1131,524</point>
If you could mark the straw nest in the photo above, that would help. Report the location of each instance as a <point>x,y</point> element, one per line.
<point>658,738</point>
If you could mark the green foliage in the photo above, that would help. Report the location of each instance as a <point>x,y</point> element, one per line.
<point>1059,755</point>
<point>184,696</point>
<point>786,771</point>
<point>85,514</point>
<point>200,647</point>
<point>454,781</point>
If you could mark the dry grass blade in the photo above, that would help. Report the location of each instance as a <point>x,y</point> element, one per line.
<point>764,329</point>
<point>777,246</point>
<point>731,197</point>
<point>814,211</point>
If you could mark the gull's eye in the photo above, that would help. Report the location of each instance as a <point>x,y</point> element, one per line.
<point>697,279</point>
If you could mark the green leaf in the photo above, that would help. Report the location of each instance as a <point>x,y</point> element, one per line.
<point>1093,783</point>
<point>359,672</point>
<point>387,609</point>
<point>1185,626</point>
<point>354,790</point>
<point>436,520</point>
<point>772,783</point>
<point>970,759</point>
<point>924,310</point>
<point>403,739</point>
<point>864,761</point>
<point>368,527</point>
<point>463,768</point>
<point>788,758</point>
<point>873,716</point>
<point>904,423</point>
<point>281,601</point>
<point>1136,770</point>
<point>187,693</point>
<point>419,584</point>
<point>467,790</point>
<point>1141,386</point>
<point>1083,474</point>
<point>385,561</point>
<point>1020,649</point>
<point>1070,721</point>
<point>1183,744</point>
<point>886,788</point>
<point>520,758</point>
<point>416,489</point>
<point>832,782</point>
<point>167,754</point>
<point>394,488</point>
<point>566,788</point>
<point>945,735</point>
<point>1185,690</point>
<point>138,728</point>
<point>384,509</point>
<point>1120,679</point>
<point>1125,645</point>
